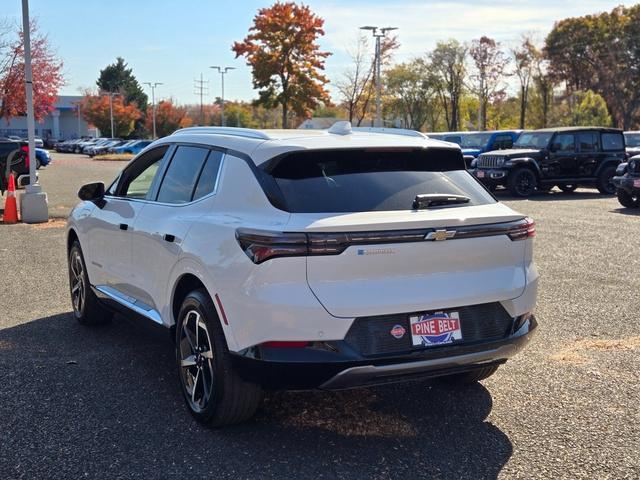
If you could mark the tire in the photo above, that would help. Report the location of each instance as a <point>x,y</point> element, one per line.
<point>568,188</point>
<point>214,393</point>
<point>522,182</point>
<point>604,183</point>
<point>628,200</point>
<point>470,377</point>
<point>38,164</point>
<point>87,309</point>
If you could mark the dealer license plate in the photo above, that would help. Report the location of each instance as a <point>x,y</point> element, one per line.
<point>636,182</point>
<point>430,329</point>
<point>479,174</point>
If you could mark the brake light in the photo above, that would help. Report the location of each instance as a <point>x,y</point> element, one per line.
<point>25,149</point>
<point>523,230</point>
<point>261,245</point>
<point>285,344</point>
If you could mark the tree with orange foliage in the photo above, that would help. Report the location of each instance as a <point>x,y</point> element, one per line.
<point>47,75</point>
<point>169,118</point>
<point>285,59</point>
<point>95,110</point>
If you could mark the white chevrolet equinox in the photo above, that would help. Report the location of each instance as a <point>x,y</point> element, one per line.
<point>305,259</point>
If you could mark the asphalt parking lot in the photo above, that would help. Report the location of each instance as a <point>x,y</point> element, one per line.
<point>105,402</point>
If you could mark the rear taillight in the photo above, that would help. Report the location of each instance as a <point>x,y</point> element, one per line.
<point>524,229</point>
<point>261,245</point>
<point>25,149</point>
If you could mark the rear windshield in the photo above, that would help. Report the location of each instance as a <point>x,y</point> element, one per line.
<point>342,181</point>
<point>632,139</point>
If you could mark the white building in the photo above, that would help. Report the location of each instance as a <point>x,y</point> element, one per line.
<point>61,124</point>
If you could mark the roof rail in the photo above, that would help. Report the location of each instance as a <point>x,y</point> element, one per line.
<point>233,131</point>
<point>390,131</point>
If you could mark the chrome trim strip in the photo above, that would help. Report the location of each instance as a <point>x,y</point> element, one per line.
<point>363,374</point>
<point>131,303</point>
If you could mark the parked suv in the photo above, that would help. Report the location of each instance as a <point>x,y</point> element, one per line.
<point>475,143</point>
<point>296,260</point>
<point>567,157</point>
<point>627,182</point>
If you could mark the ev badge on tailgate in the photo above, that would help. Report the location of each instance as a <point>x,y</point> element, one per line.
<point>438,235</point>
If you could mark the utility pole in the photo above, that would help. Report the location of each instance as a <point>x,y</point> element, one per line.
<point>200,87</point>
<point>153,103</point>
<point>222,71</point>
<point>33,204</point>
<point>378,67</point>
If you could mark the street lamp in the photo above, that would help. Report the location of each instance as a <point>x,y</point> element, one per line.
<point>377,66</point>
<point>222,71</point>
<point>111,94</point>
<point>153,103</point>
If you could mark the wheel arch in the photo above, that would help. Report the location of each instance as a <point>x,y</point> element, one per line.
<point>606,163</point>
<point>72,237</point>
<point>525,162</point>
<point>187,281</point>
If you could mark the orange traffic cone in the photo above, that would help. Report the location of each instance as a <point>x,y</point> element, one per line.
<point>10,206</point>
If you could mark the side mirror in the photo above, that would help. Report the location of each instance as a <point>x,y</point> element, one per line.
<point>92,192</point>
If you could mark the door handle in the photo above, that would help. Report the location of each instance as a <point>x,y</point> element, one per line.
<point>169,238</point>
<point>124,226</point>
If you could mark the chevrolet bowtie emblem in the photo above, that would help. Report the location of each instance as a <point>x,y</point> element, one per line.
<point>438,235</point>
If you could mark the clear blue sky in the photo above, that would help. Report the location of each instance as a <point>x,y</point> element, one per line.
<point>174,41</point>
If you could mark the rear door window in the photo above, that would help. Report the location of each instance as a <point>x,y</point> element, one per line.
<point>564,142</point>
<point>334,181</point>
<point>588,141</point>
<point>612,141</point>
<point>180,178</point>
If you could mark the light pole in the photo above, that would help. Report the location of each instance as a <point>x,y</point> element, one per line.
<point>153,104</point>
<point>222,71</point>
<point>377,66</point>
<point>111,94</point>
<point>33,204</point>
<point>111,111</point>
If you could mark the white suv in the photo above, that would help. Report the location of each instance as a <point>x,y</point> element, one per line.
<point>305,259</point>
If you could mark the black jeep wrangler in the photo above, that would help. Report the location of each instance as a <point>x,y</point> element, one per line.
<point>627,182</point>
<point>567,157</point>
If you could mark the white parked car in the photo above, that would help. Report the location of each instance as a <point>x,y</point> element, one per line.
<point>305,259</point>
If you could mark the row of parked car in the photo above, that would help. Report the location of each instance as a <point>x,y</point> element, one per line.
<point>99,146</point>
<point>525,161</point>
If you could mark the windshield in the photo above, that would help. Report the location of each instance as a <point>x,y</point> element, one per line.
<point>475,140</point>
<point>632,139</point>
<point>533,140</point>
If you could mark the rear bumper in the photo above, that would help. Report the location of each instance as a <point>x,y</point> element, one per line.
<point>336,366</point>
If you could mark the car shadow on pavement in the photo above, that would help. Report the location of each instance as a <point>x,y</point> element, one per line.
<point>634,212</point>
<point>105,401</point>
